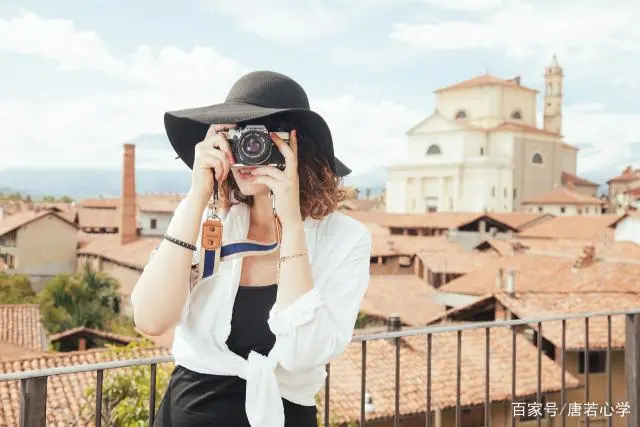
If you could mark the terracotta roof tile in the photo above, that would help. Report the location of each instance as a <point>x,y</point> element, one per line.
<point>627,175</point>
<point>520,220</point>
<point>485,80</point>
<point>579,227</point>
<point>145,202</point>
<point>13,222</point>
<point>440,220</point>
<point>89,217</point>
<point>110,336</point>
<point>563,196</point>
<point>567,178</point>
<point>65,393</point>
<point>134,254</point>
<point>461,262</point>
<point>20,325</point>
<point>530,305</point>
<point>609,249</point>
<point>346,374</point>
<point>389,245</point>
<point>404,294</point>
<point>558,275</point>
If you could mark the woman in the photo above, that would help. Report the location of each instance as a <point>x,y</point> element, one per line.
<point>279,299</point>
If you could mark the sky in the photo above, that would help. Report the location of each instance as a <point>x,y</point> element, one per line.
<point>78,78</point>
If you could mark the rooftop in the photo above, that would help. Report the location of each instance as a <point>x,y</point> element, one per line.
<point>345,393</point>
<point>486,80</point>
<point>563,196</point>
<point>576,180</point>
<point>20,326</point>
<point>65,393</point>
<point>558,276</point>
<point>579,227</point>
<point>405,294</point>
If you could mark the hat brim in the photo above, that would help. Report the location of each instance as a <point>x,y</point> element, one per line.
<point>186,128</point>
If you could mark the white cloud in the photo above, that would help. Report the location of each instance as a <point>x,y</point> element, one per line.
<point>610,136</point>
<point>280,20</point>
<point>466,5</point>
<point>56,39</point>
<point>524,28</point>
<point>89,130</point>
<point>296,21</point>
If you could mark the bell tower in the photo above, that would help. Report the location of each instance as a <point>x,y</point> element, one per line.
<point>553,78</point>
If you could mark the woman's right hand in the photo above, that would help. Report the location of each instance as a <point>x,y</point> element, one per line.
<point>213,158</point>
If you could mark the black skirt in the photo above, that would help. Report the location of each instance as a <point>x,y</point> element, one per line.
<point>193,399</point>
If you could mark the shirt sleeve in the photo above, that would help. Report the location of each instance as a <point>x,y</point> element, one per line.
<point>318,326</point>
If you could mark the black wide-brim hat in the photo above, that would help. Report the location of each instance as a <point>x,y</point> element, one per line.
<point>256,95</point>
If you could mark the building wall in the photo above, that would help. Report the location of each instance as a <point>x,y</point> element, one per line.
<point>628,230</point>
<point>586,190</point>
<point>519,100</point>
<point>542,178</point>
<point>162,223</point>
<point>589,210</point>
<point>487,106</point>
<point>389,265</point>
<point>616,188</point>
<point>570,161</point>
<point>597,388</point>
<point>44,248</point>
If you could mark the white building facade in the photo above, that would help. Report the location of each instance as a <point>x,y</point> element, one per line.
<point>481,149</point>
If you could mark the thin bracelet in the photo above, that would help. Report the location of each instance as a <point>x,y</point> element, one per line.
<point>284,258</point>
<point>179,242</point>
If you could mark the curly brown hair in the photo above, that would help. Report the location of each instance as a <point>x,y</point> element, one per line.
<point>320,191</point>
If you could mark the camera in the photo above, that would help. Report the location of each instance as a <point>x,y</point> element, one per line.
<point>252,146</point>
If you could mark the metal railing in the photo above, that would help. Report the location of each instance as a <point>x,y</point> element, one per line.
<point>34,383</point>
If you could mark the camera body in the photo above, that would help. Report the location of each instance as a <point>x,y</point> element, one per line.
<point>252,146</point>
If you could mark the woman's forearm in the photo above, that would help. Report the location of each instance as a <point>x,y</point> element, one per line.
<point>295,273</point>
<point>160,293</point>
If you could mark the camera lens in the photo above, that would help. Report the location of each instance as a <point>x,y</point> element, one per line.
<point>254,148</point>
<point>252,145</point>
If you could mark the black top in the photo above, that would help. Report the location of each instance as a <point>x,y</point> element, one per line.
<point>197,397</point>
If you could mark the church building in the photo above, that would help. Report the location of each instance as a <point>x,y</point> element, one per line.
<point>481,149</point>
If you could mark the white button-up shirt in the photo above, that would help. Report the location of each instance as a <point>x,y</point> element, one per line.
<point>310,332</point>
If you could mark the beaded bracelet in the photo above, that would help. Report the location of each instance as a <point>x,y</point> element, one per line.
<point>179,242</point>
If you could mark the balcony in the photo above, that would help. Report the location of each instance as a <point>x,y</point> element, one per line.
<point>499,373</point>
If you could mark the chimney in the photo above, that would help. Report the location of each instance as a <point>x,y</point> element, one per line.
<point>516,80</point>
<point>368,193</point>
<point>586,258</point>
<point>499,279</point>
<point>128,224</point>
<point>483,227</point>
<point>511,282</point>
<point>394,323</point>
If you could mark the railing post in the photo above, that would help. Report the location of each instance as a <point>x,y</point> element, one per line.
<point>632,367</point>
<point>33,402</point>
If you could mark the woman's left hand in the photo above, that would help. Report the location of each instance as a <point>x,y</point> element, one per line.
<point>284,184</point>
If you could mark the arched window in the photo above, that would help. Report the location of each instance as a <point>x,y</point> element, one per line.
<point>537,159</point>
<point>433,150</point>
<point>461,114</point>
<point>516,115</point>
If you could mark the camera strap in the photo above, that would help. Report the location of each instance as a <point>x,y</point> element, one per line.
<point>214,251</point>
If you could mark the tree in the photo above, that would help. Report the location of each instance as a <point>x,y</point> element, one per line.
<point>16,289</point>
<point>88,299</point>
<point>126,391</point>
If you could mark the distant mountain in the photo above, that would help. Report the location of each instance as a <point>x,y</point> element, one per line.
<point>374,179</point>
<point>82,183</point>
